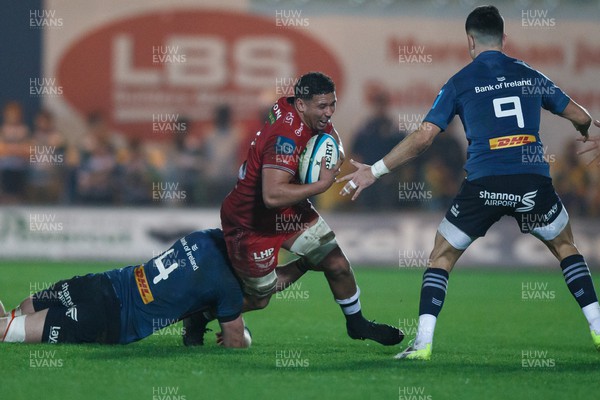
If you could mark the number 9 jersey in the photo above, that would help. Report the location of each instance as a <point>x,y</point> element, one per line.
<point>499,101</point>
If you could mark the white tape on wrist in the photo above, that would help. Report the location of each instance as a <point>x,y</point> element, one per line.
<point>379,169</point>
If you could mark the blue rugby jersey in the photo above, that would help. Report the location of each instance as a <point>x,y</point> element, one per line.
<point>499,101</point>
<point>194,274</point>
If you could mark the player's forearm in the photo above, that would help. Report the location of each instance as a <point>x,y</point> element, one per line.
<point>579,117</point>
<point>413,145</point>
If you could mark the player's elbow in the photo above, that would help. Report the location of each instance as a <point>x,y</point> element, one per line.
<point>272,199</point>
<point>581,118</point>
<point>585,120</point>
<point>424,137</point>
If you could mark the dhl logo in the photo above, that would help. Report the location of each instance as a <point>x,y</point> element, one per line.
<point>510,141</point>
<point>142,284</point>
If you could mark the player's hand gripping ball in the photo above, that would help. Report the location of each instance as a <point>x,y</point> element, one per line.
<point>317,147</point>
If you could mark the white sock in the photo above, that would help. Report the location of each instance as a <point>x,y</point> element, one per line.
<point>352,305</point>
<point>16,330</point>
<point>592,314</point>
<point>425,331</point>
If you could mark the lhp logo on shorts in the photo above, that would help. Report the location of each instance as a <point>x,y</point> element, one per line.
<point>504,142</point>
<point>264,259</point>
<point>142,285</point>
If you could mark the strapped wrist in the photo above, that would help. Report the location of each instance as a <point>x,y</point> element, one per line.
<point>379,169</point>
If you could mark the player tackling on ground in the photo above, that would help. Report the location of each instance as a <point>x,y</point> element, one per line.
<point>125,305</point>
<point>269,209</point>
<point>499,101</point>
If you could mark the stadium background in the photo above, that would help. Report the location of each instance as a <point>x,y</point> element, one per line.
<point>135,115</point>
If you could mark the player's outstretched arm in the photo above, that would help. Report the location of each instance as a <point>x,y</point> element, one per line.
<point>233,334</point>
<point>579,117</point>
<point>413,145</point>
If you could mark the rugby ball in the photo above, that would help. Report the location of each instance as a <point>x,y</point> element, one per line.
<point>317,147</point>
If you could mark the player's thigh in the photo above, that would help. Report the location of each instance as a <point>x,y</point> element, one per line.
<point>254,258</point>
<point>544,216</point>
<point>317,246</point>
<point>86,323</point>
<point>67,292</point>
<point>469,217</point>
<point>253,253</point>
<point>563,245</point>
<point>444,255</point>
<point>540,211</point>
<point>89,312</point>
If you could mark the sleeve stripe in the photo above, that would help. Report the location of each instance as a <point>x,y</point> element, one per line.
<point>274,166</point>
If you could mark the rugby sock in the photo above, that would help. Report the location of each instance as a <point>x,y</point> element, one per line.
<point>351,307</point>
<point>433,293</point>
<point>425,330</point>
<point>579,281</point>
<point>592,314</point>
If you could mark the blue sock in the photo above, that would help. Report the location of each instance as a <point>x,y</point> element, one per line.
<point>578,279</point>
<point>433,291</point>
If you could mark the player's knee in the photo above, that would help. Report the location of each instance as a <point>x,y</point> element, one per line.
<point>562,249</point>
<point>26,306</point>
<point>336,264</point>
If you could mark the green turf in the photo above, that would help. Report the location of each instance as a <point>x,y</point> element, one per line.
<point>301,351</point>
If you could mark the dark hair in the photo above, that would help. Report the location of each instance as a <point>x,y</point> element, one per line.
<point>313,83</point>
<point>486,24</point>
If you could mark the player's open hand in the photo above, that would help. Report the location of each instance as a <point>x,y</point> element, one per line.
<point>219,336</point>
<point>595,146</point>
<point>359,180</point>
<point>328,176</point>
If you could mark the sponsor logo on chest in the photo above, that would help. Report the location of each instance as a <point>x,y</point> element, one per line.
<point>504,142</point>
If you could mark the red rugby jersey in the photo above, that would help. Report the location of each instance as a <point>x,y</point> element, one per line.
<point>279,145</point>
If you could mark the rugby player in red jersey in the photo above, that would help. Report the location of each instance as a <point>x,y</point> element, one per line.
<point>268,209</point>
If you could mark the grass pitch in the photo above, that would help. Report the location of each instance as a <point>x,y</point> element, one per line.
<point>501,335</point>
